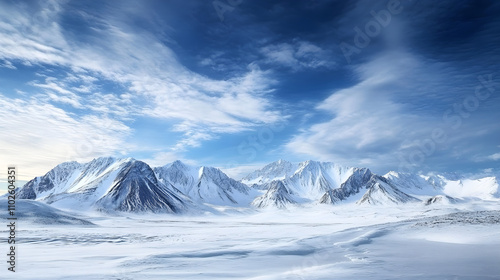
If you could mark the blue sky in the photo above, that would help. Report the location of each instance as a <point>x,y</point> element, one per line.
<point>390,85</point>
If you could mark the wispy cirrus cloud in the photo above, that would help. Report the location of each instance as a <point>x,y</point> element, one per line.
<point>182,84</point>
<point>488,158</point>
<point>298,55</point>
<point>41,134</point>
<point>152,82</point>
<point>366,121</point>
<point>389,115</point>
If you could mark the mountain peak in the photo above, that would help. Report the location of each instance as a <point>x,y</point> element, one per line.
<point>277,195</point>
<point>204,184</point>
<point>282,161</point>
<point>382,192</point>
<point>136,188</point>
<point>276,170</point>
<point>178,162</point>
<point>308,164</point>
<point>67,164</point>
<point>126,184</point>
<point>103,160</point>
<point>278,186</point>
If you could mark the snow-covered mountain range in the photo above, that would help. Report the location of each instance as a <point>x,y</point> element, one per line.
<point>105,184</point>
<point>329,183</point>
<point>111,184</point>
<point>205,184</point>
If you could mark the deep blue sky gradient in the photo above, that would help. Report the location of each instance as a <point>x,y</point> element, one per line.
<point>271,79</point>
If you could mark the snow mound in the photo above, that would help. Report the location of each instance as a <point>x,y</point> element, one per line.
<point>363,239</point>
<point>41,213</point>
<point>440,199</point>
<point>484,188</point>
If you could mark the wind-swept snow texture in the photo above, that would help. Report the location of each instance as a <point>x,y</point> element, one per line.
<point>310,220</point>
<point>345,241</point>
<point>29,211</point>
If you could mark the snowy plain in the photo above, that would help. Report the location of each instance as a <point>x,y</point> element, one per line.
<point>347,241</point>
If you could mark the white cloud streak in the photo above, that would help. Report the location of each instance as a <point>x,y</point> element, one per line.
<point>156,84</point>
<point>298,55</point>
<point>494,156</point>
<point>38,134</point>
<point>368,125</point>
